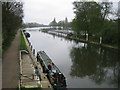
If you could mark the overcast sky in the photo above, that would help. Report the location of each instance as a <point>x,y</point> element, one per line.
<point>44,11</point>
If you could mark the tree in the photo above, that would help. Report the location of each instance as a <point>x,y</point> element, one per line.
<point>106,9</point>
<point>110,32</point>
<point>88,17</point>
<point>95,19</point>
<point>12,14</point>
<point>61,23</point>
<point>65,24</point>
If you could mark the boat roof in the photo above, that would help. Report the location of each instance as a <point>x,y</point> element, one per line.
<point>47,60</point>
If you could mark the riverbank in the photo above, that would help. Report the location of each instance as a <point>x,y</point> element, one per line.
<point>92,42</point>
<point>82,40</point>
<point>32,62</point>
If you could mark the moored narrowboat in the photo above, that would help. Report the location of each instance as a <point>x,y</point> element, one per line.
<point>55,76</point>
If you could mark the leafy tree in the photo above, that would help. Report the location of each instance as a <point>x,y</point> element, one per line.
<point>12,14</point>
<point>106,9</point>
<point>88,17</point>
<point>65,24</point>
<point>110,32</point>
<point>94,18</point>
<point>61,23</point>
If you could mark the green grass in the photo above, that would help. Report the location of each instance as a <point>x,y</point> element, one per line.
<point>34,88</point>
<point>22,43</point>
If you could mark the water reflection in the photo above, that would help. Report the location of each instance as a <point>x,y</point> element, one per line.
<point>99,64</point>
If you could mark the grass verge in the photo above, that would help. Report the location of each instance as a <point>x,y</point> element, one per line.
<point>34,88</point>
<point>22,43</point>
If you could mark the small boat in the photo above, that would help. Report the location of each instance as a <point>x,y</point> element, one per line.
<point>27,34</point>
<point>55,76</point>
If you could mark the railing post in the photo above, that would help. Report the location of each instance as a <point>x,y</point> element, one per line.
<point>34,51</point>
<point>31,47</point>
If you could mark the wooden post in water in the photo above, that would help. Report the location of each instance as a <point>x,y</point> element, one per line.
<point>87,37</point>
<point>100,40</point>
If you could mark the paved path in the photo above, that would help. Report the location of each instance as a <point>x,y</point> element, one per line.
<point>10,64</point>
<point>27,69</point>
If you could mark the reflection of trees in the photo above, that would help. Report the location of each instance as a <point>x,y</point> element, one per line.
<point>97,63</point>
<point>80,58</point>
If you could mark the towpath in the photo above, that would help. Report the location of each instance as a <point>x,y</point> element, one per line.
<point>10,68</point>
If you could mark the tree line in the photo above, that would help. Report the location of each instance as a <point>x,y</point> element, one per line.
<point>97,19</point>
<point>12,14</point>
<point>33,24</point>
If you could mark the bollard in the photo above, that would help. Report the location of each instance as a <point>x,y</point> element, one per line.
<point>30,44</point>
<point>34,51</point>
<point>33,76</point>
<point>31,47</point>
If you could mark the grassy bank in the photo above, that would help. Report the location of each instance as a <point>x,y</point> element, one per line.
<point>22,43</point>
<point>34,88</point>
<point>95,40</point>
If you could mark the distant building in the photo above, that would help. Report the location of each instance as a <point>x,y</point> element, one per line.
<point>53,23</point>
<point>66,23</point>
<point>66,20</point>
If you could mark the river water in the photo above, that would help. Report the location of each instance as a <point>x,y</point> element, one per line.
<point>84,65</point>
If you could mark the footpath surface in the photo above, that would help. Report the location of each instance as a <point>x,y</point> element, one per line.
<point>10,66</point>
<point>27,79</point>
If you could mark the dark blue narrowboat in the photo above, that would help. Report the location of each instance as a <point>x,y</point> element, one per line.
<point>55,76</point>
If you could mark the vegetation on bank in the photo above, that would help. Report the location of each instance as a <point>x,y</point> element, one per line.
<point>34,88</point>
<point>22,43</point>
<point>95,19</point>
<point>33,24</point>
<point>12,14</point>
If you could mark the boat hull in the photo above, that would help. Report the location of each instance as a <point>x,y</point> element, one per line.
<point>55,76</point>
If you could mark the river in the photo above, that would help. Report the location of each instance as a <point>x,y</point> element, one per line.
<point>84,65</point>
